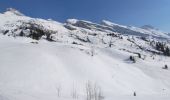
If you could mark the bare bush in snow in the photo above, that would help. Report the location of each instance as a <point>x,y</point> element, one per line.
<point>74,93</point>
<point>58,88</point>
<point>93,92</point>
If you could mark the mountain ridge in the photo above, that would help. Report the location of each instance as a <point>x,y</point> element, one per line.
<point>142,29</point>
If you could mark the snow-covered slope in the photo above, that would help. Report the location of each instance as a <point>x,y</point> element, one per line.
<point>146,30</point>
<point>47,60</point>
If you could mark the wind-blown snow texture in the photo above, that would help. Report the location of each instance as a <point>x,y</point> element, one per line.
<point>41,59</point>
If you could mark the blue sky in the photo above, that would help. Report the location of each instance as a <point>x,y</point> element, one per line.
<point>128,12</point>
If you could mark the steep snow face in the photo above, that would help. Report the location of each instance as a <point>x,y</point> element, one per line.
<point>9,20</point>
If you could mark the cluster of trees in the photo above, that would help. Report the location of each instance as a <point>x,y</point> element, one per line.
<point>163,48</point>
<point>33,30</point>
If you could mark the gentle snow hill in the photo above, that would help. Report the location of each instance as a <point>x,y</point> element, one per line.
<point>41,59</point>
<point>34,71</point>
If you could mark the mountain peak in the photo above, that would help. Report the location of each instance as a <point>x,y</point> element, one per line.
<point>13,11</point>
<point>108,23</point>
<point>71,21</point>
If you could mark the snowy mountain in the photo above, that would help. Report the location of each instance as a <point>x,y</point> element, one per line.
<point>48,60</point>
<point>145,30</point>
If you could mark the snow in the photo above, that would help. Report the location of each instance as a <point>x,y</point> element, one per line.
<point>11,11</point>
<point>72,21</point>
<point>36,69</point>
<point>108,23</point>
<point>149,31</point>
<point>33,71</point>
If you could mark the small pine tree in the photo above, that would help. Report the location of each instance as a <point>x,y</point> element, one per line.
<point>165,67</point>
<point>167,51</point>
<point>139,55</point>
<point>132,58</point>
<point>134,94</point>
<point>163,48</point>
